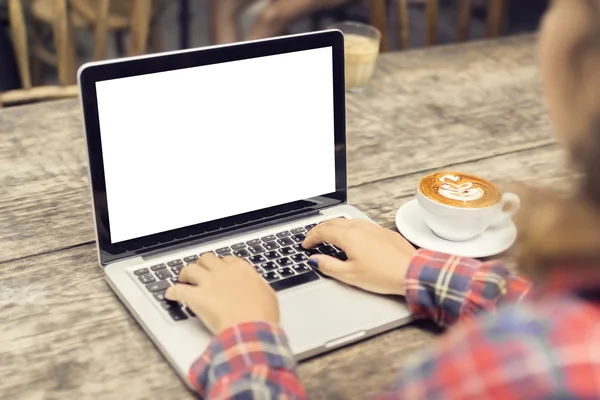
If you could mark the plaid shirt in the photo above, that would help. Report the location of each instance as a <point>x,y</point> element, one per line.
<point>545,347</point>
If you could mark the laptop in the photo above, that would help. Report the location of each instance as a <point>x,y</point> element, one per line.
<point>236,149</point>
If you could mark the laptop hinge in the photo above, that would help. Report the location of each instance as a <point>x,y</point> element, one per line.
<point>258,226</point>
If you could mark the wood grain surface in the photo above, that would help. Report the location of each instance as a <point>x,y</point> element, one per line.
<point>65,334</point>
<point>475,108</point>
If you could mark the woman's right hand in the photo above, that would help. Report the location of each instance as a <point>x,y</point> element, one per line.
<point>378,258</point>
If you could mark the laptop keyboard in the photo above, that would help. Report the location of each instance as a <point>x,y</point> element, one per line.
<point>280,259</point>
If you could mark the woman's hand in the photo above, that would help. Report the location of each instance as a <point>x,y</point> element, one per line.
<point>224,292</point>
<point>378,258</point>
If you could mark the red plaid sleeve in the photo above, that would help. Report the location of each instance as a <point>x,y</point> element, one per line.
<point>448,288</point>
<point>247,361</point>
<point>529,350</point>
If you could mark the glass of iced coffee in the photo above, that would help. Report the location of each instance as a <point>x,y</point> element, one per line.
<point>361,45</point>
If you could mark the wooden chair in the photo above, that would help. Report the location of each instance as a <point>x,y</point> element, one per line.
<point>105,16</point>
<point>63,16</point>
<point>496,13</point>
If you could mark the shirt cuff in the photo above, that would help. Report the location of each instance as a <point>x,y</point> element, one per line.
<point>240,348</point>
<point>446,288</point>
<point>437,284</point>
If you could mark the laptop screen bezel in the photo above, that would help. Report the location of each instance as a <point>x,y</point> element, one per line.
<point>95,72</point>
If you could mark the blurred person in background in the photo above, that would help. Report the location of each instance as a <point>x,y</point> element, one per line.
<point>273,20</point>
<point>277,15</point>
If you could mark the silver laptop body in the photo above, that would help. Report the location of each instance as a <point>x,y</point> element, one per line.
<point>233,149</point>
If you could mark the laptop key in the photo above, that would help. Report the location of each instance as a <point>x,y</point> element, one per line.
<point>258,269</point>
<point>269,266</point>
<point>253,242</point>
<point>299,238</point>
<point>271,246</point>
<point>341,255</point>
<point>286,272</point>
<point>190,259</point>
<point>177,314</point>
<point>238,246</point>
<point>270,276</point>
<point>189,311</point>
<point>175,279</point>
<point>309,227</point>
<point>257,259</point>
<point>174,263</point>
<point>163,274</point>
<point>285,241</point>
<point>269,238</point>
<point>160,296</point>
<point>177,270</point>
<point>310,252</point>
<point>169,304</point>
<point>299,248</point>
<point>241,253</point>
<point>146,278</point>
<point>327,250</point>
<point>297,230</point>
<point>223,250</point>
<point>158,267</point>
<point>298,258</point>
<point>284,262</point>
<point>294,281</point>
<point>141,271</point>
<point>271,255</point>
<point>301,268</point>
<point>158,286</point>
<point>286,251</point>
<point>256,249</point>
<point>283,234</point>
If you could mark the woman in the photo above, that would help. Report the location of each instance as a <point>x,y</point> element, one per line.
<point>272,21</point>
<point>507,339</point>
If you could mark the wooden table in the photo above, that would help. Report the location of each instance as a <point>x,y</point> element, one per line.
<point>64,334</point>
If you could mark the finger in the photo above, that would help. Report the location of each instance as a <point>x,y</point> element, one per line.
<point>208,261</point>
<point>330,266</point>
<point>242,261</point>
<point>330,233</point>
<point>193,273</point>
<point>181,293</point>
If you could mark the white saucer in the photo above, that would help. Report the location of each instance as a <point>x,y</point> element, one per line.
<point>491,242</point>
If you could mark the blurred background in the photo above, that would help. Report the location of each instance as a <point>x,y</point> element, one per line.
<point>42,42</point>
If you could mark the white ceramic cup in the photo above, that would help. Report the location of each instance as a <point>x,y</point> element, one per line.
<point>459,224</point>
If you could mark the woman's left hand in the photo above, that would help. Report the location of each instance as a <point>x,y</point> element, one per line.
<point>224,292</point>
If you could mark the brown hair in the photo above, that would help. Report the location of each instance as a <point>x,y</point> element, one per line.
<point>562,229</point>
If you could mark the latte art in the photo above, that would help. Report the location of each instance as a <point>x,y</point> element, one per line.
<point>460,190</point>
<point>463,192</point>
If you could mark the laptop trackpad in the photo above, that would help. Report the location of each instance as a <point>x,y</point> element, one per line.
<point>317,314</point>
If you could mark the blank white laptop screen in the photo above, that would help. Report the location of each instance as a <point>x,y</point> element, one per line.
<point>198,144</point>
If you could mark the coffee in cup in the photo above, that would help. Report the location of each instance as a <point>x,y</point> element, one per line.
<point>458,206</point>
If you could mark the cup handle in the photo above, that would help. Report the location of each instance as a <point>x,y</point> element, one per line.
<point>510,204</point>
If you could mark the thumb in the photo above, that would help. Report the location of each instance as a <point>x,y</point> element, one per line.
<point>328,265</point>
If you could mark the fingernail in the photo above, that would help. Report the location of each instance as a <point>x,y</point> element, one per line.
<point>168,293</point>
<point>313,263</point>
